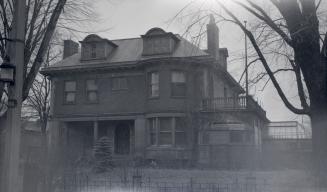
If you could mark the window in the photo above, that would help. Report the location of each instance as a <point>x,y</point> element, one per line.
<point>153,131</point>
<point>154,84</point>
<point>165,134</point>
<point>162,131</point>
<point>93,50</point>
<point>70,92</point>
<point>180,136</point>
<point>178,84</point>
<point>119,83</point>
<point>92,90</point>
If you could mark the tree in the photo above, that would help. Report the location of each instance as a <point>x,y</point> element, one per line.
<point>42,19</point>
<point>291,29</point>
<point>37,104</point>
<point>103,155</point>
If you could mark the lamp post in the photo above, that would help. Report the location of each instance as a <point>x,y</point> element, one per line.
<point>12,73</point>
<point>7,72</point>
<point>7,76</point>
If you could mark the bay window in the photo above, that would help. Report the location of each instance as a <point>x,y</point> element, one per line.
<point>180,136</point>
<point>167,131</point>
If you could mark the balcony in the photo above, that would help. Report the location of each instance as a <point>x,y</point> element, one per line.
<point>241,103</point>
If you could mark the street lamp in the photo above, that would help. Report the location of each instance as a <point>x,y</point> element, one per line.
<point>7,76</point>
<point>7,72</point>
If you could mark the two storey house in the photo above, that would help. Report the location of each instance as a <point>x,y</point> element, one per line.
<point>158,97</point>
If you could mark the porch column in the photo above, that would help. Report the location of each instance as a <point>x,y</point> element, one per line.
<point>140,136</point>
<point>95,131</point>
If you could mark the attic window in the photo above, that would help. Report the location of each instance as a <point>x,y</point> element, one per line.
<point>96,48</point>
<point>156,41</point>
<point>93,50</point>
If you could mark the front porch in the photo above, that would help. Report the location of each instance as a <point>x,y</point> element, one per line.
<point>82,135</point>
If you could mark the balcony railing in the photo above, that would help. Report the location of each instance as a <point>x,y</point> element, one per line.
<point>231,103</point>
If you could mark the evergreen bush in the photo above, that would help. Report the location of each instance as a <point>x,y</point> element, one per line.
<point>103,155</point>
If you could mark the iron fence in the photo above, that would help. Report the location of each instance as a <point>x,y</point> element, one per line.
<point>139,184</point>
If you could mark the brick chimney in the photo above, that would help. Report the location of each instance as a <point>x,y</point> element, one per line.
<point>223,54</point>
<point>213,38</point>
<point>70,48</point>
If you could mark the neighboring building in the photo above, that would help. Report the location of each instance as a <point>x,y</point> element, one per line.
<point>286,144</point>
<point>287,130</point>
<point>158,97</point>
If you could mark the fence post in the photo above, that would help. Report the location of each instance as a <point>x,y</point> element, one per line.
<point>87,183</point>
<point>137,180</point>
<point>64,183</point>
<point>191,184</point>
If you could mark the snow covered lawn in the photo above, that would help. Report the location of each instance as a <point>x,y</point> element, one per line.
<point>271,181</point>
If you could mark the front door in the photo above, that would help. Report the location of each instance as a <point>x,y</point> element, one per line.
<point>122,139</point>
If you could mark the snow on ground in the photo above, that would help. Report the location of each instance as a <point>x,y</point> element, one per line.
<point>274,181</point>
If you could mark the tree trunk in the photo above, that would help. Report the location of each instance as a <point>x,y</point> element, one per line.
<point>319,140</point>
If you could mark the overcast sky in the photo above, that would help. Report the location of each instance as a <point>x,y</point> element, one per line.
<point>132,18</point>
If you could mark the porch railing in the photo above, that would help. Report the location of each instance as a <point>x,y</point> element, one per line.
<point>231,103</point>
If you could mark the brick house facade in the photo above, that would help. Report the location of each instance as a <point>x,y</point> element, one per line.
<point>157,97</point>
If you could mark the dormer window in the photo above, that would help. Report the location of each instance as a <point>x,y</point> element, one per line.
<point>93,50</point>
<point>157,42</point>
<point>96,48</point>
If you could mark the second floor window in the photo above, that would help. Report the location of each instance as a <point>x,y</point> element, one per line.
<point>119,83</point>
<point>92,90</point>
<point>154,84</point>
<point>178,84</point>
<point>70,92</point>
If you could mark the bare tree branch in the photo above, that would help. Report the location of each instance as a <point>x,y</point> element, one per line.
<point>265,64</point>
<point>42,49</point>
<point>264,17</point>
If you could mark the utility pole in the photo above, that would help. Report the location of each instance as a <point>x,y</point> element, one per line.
<point>246,63</point>
<point>11,174</point>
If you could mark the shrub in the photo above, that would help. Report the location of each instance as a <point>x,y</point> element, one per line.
<point>103,155</point>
